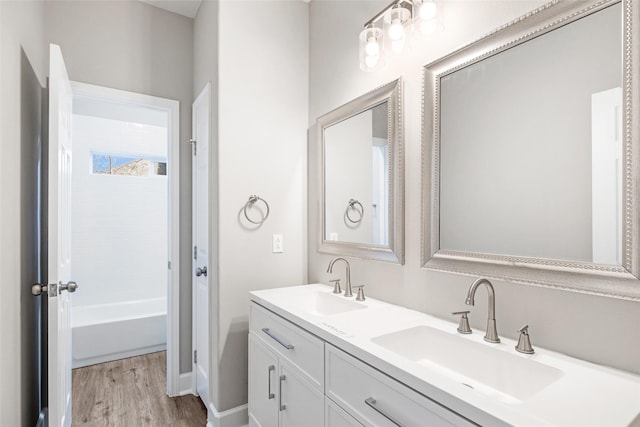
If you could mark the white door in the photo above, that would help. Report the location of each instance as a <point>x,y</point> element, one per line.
<point>59,236</point>
<point>606,176</point>
<point>202,270</point>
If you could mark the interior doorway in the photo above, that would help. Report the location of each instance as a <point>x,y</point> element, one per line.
<point>125,245</point>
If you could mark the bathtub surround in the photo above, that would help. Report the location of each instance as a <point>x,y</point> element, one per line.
<point>551,314</point>
<point>119,224</point>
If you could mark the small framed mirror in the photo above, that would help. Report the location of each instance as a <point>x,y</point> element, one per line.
<point>530,161</point>
<point>361,177</point>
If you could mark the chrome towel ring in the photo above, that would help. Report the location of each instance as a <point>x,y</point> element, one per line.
<point>356,206</point>
<point>252,200</point>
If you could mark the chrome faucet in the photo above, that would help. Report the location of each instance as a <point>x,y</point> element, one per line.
<point>492,333</point>
<point>347,288</point>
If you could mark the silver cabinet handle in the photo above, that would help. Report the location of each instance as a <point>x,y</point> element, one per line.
<point>282,407</point>
<point>285,345</point>
<point>201,271</point>
<point>269,394</point>
<point>371,402</point>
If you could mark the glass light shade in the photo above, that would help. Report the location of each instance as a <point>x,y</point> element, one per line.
<point>371,49</point>
<point>397,24</point>
<point>426,22</point>
<point>427,10</point>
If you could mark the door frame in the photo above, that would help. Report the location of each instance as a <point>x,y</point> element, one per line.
<point>172,107</point>
<point>203,96</point>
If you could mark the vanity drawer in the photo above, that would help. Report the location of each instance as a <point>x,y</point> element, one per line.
<point>291,342</point>
<point>376,399</point>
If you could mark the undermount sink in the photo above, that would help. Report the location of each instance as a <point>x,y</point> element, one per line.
<point>474,364</point>
<point>324,304</point>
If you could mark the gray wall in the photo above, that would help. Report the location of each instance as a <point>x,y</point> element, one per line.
<point>261,79</point>
<point>596,329</point>
<point>262,141</point>
<point>132,46</point>
<point>22,78</point>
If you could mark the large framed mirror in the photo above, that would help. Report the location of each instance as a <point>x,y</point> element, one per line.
<point>531,153</point>
<point>362,177</point>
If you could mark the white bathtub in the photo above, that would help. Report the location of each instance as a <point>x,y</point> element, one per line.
<point>105,332</point>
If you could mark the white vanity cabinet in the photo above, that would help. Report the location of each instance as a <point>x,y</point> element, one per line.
<point>374,364</point>
<point>298,380</point>
<point>286,373</point>
<point>335,416</point>
<point>375,399</point>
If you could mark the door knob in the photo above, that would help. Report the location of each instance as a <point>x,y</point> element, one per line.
<point>201,271</point>
<point>69,287</point>
<point>53,289</point>
<point>39,289</point>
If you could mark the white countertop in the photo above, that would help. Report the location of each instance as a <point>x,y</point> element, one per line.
<point>585,394</point>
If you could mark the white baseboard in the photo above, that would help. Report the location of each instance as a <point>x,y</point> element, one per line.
<point>234,417</point>
<point>184,384</point>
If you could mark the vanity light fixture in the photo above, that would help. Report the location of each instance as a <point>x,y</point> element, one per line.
<point>397,23</point>
<point>389,31</point>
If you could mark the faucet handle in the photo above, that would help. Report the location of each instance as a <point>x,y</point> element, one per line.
<point>524,341</point>
<point>336,286</point>
<point>360,296</point>
<point>463,326</point>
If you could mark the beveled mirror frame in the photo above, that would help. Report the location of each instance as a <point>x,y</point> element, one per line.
<point>394,251</point>
<point>606,280</point>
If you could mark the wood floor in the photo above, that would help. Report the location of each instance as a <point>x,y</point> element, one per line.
<point>131,393</point>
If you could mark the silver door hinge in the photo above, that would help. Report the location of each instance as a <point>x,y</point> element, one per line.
<point>195,252</point>
<point>194,143</point>
<point>195,356</point>
<point>169,264</point>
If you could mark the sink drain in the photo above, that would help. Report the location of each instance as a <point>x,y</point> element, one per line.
<point>470,386</point>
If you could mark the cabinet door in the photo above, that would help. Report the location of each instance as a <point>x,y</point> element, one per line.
<point>302,403</point>
<point>335,416</point>
<point>263,384</point>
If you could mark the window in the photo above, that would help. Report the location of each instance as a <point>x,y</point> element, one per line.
<point>111,164</point>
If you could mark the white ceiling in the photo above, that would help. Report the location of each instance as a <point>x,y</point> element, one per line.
<point>188,8</point>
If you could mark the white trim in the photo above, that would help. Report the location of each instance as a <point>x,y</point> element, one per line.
<point>234,417</point>
<point>185,384</point>
<point>3,298</point>
<point>173,171</point>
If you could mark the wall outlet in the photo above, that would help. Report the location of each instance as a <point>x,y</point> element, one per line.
<point>278,246</point>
